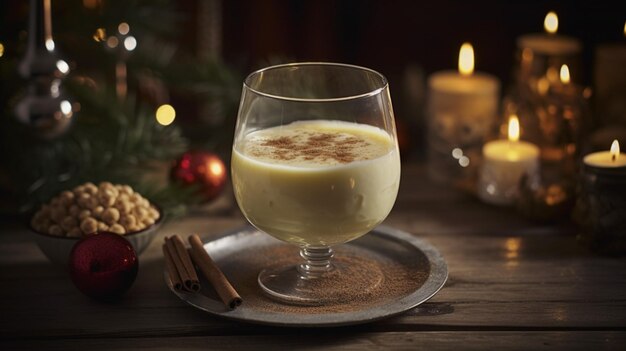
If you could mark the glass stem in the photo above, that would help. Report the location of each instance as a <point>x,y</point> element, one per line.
<point>317,262</point>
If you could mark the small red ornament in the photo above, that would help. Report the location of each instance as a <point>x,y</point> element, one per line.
<point>103,265</point>
<point>203,169</point>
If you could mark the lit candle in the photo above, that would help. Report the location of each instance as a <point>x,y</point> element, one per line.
<point>464,81</point>
<point>607,159</point>
<point>601,209</point>
<point>504,164</point>
<point>549,43</point>
<point>568,90</point>
<point>462,108</point>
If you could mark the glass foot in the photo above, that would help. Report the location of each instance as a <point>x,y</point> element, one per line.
<point>320,282</point>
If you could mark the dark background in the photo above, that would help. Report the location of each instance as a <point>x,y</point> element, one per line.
<point>385,35</point>
<point>396,37</point>
<point>392,37</point>
<point>389,35</point>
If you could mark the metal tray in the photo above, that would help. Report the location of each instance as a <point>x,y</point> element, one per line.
<point>420,270</point>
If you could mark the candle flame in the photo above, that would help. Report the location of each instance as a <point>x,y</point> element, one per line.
<point>466,59</point>
<point>551,22</point>
<point>513,128</point>
<point>565,77</point>
<point>614,150</point>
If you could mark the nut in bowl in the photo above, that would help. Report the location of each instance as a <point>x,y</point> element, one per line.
<point>88,209</point>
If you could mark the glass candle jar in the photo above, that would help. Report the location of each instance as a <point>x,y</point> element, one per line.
<point>601,205</point>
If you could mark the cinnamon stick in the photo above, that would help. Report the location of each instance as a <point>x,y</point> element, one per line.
<point>185,277</point>
<point>211,271</point>
<point>194,283</point>
<point>171,269</point>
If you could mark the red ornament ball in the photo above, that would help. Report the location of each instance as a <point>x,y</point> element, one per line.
<point>103,265</point>
<point>201,168</point>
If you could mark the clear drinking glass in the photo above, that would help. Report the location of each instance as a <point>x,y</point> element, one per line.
<point>315,163</point>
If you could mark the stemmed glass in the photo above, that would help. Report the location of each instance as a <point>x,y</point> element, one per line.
<point>315,163</point>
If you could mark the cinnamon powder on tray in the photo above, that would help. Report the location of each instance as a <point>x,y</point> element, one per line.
<point>369,279</point>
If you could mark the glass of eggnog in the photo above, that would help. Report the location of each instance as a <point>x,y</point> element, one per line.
<point>315,163</point>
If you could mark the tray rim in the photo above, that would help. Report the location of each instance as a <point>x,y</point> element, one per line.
<point>432,285</point>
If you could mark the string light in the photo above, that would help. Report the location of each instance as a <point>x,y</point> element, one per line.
<point>123,28</point>
<point>66,108</point>
<point>50,44</point>
<point>99,35</point>
<point>54,87</point>
<point>130,43</point>
<point>165,115</point>
<point>121,38</point>
<point>464,161</point>
<point>1,49</point>
<point>112,42</point>
<point>63,67</point>
<point>457,153</point>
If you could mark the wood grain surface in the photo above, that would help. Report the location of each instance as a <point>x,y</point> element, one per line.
<point>513,284</point>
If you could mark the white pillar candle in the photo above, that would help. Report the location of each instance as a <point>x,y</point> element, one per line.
<point>504,164</point>
<point>550,43</point>
<point>462,108</point>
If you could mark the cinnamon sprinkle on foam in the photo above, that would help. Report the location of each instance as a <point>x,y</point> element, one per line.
<point>312,146</point>
<point>319,143</point>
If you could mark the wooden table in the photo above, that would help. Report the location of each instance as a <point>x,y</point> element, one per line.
<point>512,284</point>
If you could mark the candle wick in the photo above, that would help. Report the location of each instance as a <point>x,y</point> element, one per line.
<point>613,157</point>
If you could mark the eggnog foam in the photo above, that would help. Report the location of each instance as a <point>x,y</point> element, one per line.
<point>316,182</point>
<point>312,144</point>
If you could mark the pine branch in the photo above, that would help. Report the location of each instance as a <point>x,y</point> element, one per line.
<point>109,139</point>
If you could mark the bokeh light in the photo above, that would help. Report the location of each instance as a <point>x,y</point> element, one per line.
<point>165,115</point>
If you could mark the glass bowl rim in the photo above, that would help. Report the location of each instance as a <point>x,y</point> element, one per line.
<point>384,85</point>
